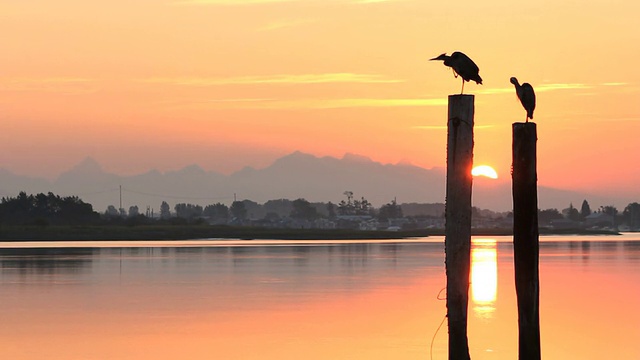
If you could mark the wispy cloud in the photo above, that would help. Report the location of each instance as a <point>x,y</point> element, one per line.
<point>538,88</point>
<point>346,103</point>
<point>552,87</point>
<point>444,127</point>
<point>620,119</point>
<point>240,100</point>
<point>228,2</point>
<point>372,1</point>
<point>276,79</point>
<point>49,84</point>
<point>280,104</point>
<point>276,25</point>
<point>262,2</point>
<point>492,91</point>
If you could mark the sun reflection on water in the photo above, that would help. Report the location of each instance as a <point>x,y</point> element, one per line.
<point>484,276</point>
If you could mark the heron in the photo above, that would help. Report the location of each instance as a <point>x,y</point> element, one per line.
<point>527,97</point>
<point>462,65</point>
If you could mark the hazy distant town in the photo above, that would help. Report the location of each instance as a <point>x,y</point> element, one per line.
<point>352,212</point>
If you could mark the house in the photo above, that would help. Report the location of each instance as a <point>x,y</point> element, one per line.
<point>565,224</point>
<point>599,219</point>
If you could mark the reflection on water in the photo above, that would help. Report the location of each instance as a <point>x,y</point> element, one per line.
<point>484,276</point>
<point>308,300</point>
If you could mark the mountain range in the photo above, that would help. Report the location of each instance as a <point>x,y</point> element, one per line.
<point>297,175</point>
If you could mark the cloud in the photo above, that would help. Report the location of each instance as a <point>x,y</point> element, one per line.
<point>552,87</point>
<point>240,100</point>
<point>276,25</point>
<point>492,91</point>
<point>49,84</point>
<point>356,103</point>
<point>278,104</point>
<point>619,119</point>
<point>537,88</point>
<point>228,2</point>
<point>372,1</point>
<point>276,79</point>
<point>263,2</point>
<point>444,127</point>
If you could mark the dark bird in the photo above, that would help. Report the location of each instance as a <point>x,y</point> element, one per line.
<point>462,65</point>
<point>527,97</point>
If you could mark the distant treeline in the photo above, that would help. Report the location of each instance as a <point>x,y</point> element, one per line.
<point>50,209</point>
<point>46,209</point>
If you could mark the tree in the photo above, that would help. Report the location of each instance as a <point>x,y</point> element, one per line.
<point>346,207</point>
<point>238,210</point>
<point>611,211</point>
<point>302,210</point>
<point>188,211</point>
<point>349,195</point>
<point>47,209</point>
<point>331,210</point>
<point>631,215</point>
<point>390,211</point>
<point>571,213</point>
<point>585,209</point>
<point>282,207</point>
<point>253,210</point>
<point>134,211</point>
<point>363,207</point>
<point>354,207</point>
<point>546,216</point>
<point>112,211</point>
<point>217,211</point>
<point>165,211</point>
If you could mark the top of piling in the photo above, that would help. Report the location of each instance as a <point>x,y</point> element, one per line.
<point>461,96</point>
<point>524,125</point>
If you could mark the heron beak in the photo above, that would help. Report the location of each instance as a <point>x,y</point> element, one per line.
<point>435,58</point>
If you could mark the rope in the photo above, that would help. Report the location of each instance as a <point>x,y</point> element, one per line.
<point>433,339</point>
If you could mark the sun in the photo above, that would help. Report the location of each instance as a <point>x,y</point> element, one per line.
<point>484,170</point>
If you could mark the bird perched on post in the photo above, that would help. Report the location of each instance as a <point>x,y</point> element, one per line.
<point>462,65</point>
<point>527,97</point>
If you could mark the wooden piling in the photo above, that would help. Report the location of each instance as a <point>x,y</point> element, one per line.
<point>526,239</point>
<point>458,220</point>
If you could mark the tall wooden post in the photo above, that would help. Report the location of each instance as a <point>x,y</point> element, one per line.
<point>458,221</point>
<point>526,239</point>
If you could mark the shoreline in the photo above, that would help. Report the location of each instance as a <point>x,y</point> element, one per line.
<point>193,232</point>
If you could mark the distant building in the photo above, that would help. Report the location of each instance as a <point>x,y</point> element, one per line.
<point>565,224</point>
<point>599,219</point>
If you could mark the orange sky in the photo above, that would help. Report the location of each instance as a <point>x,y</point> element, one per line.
<point>163,84</point>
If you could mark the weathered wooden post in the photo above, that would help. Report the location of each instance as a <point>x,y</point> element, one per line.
<point>526,239</point>
<point>458,221</point>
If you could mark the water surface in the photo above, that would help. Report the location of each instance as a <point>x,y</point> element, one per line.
<point>377,299</point>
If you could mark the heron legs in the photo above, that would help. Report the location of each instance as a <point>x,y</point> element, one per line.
<point>462,90</point>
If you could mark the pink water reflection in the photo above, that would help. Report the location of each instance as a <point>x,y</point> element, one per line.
<point>369,301</point>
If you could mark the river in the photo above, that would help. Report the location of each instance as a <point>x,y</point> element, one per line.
<point>226,299</point>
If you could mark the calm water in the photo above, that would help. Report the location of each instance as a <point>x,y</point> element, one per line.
<point>307,300</point>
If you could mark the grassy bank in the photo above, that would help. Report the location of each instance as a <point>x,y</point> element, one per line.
<point>184,232</point>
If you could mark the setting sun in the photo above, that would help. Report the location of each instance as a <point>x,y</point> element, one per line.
<point>484,170</point>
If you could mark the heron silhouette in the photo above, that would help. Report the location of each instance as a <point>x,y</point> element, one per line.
<point>462,65</point>
<point>527,97</point>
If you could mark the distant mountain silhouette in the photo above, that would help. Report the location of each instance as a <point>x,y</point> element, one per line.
<point>297,175</point>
